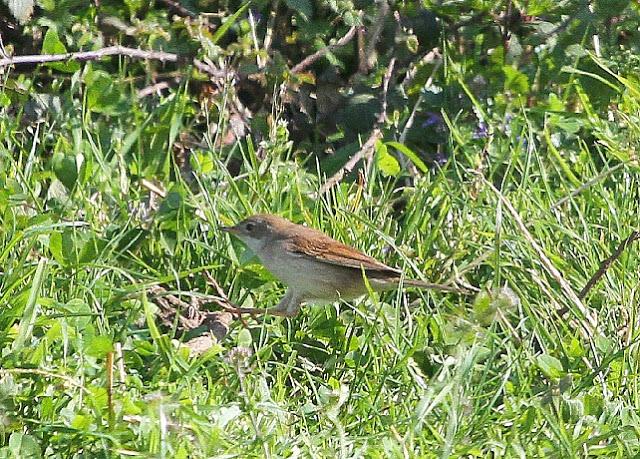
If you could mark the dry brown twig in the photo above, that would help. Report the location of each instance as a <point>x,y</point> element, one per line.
<point>591,323</point>
<point>604,266</point>
<point>369,146</point>
<point>117,50</point>
<point>152,89</point>
<point>307,61</point>
<point>90,56</point>
<point>223,301</point>
<point>367,60</point>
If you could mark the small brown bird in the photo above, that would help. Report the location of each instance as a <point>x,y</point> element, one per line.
<point>315,267</point>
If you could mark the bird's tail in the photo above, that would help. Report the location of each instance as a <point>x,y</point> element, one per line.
<point>440,287</point>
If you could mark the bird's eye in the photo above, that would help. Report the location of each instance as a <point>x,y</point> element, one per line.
<point>250,226</point>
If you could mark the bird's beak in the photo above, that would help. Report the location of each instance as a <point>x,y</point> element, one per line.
<point>229,229</point>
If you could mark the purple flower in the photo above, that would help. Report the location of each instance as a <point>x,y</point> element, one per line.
<point>507,123</point>
<point>433,119</point>
<point>482,131</point>
<point>257,16</point>
<point>523,141</point>
<point>440,159</point>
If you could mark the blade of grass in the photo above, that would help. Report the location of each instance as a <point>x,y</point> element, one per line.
<point>25,327</point>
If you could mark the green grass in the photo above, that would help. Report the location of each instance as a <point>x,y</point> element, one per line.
<point>403,374</point>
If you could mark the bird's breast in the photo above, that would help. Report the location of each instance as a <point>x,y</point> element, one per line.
<point>313,279</point>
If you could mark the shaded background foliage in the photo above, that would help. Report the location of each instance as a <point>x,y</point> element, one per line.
<point>505,54</point>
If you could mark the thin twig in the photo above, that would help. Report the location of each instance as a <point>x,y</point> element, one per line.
<point>307,61</point>
<point>369,146</point>
<point>117,50</point>
<point>604,266</point>
<point>179,9</point>
<point>382,117</point>
<point>223,301</point>
<point>268,35</point>
<point>591,325</point>
<point>431,57</point>
<point>373,37</point>
<point>366,150</point>
<point>90,56</point>
<point>47,374</point>
<point>587,184</point>
<point>153,89</point>
<point>210,70</point>
<point>254,36</point>
<point>476,18</point>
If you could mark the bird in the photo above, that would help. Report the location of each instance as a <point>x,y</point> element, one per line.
<point>315,267</point>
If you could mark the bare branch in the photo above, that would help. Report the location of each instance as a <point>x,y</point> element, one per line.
<point>369,146</point>
<point>153,89</point>
<point>307,61</point>
<point>366,150</point>
<point>590,325</point>
<point>604,266</point>
<point>382,117</point>
<point>135,53</point>
<point>179,9</point>
<point>372,38</point>
<point>90,56</point>
<point>211,70</point>
<point>434,57</point>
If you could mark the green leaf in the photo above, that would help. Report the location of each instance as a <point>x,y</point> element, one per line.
<point>5,100</point>
<point>550,366</point>
<point>593,405</point>
<point>415,159</point>
<point>576,349</point>
<point>516,81</point>
<point>203,162</point>
<point>55,246</point>
<point>99,346</point>
<point>173,202</point>
<point>24,446</point>
<point>79,313</point>
<point>570,125</point>
<point>303,7</point>
<point>66,169</point>
<point>244,338</point>
<point>103,96</point>
<point>554,104</point>
<point>75,247</point>
<point>385,161</point>
<point>52,45</point>
<point>25,327</point>
<point>224,27</point>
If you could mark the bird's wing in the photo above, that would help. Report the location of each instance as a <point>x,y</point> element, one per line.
<point>327,250</point>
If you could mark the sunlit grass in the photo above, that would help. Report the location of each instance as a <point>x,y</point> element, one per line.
<point>401,374</point>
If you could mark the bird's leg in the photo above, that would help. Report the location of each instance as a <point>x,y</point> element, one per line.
<point>289,305</point>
